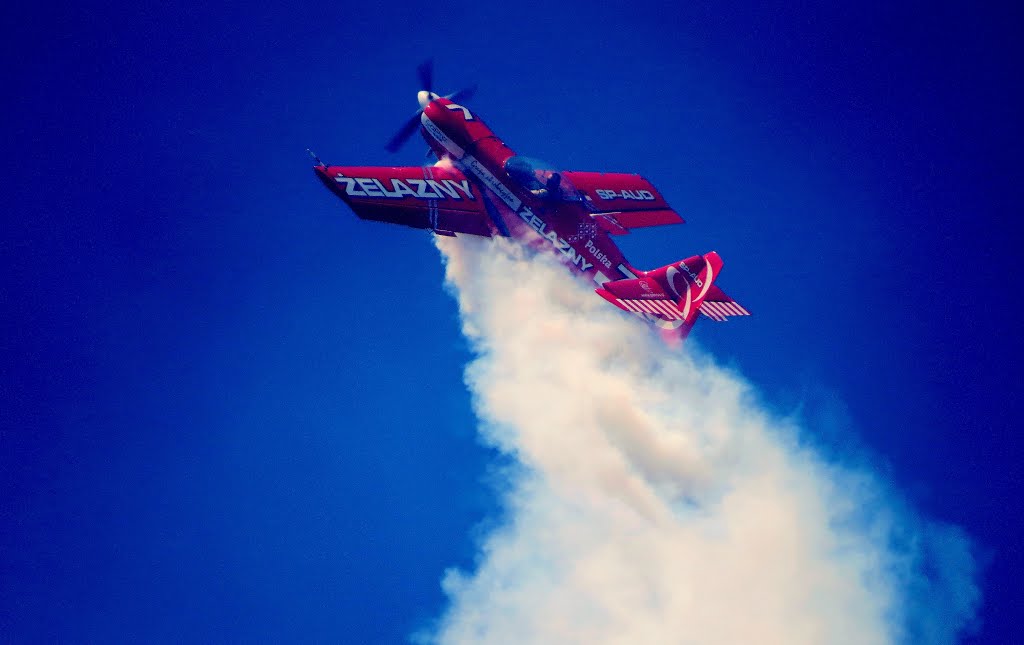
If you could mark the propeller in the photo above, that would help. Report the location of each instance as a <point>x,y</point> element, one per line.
<point>406,131</point>
<point>425,72</point>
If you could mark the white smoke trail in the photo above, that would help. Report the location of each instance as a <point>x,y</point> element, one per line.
<point>657,502</point>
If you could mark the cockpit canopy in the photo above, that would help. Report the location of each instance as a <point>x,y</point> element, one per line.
<point>537,177</point>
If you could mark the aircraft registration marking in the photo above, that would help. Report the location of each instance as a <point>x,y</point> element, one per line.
<point>639,195</point>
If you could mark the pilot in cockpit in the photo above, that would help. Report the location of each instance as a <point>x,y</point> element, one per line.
<point>525,173</point>
<point>550,189</point>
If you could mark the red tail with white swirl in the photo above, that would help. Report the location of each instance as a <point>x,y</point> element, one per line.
<point>673,296</point>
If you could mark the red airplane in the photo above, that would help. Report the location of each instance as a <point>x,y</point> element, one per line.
<point>479,186</point>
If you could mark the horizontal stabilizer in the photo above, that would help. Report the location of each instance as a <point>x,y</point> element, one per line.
<point>662,307</point>
<point>718,306</point>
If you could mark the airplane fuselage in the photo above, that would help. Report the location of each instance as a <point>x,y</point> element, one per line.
<point>540,220</point>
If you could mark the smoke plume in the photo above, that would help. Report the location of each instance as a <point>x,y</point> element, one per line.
<point>653,499</point>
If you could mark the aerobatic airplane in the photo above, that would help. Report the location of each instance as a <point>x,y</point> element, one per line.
<point>479,186</point>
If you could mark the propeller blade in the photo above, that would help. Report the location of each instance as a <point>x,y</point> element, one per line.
<point>464,94</point>
<point>403,135</point>
<point>426,73</point>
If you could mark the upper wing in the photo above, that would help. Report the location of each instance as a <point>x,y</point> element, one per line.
<point>432,197</point>
<point>621,202</point>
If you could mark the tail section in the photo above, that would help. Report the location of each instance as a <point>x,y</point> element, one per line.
<point>673,296</point>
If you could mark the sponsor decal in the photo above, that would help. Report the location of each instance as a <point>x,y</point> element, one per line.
<point>649,292</point>
<point>601,257</point>
<point>501,190</point>
<point>559,243</point>
<point>402,188</point>
<point>639,195</point>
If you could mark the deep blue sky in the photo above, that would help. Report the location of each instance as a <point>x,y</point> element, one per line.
<point>231,410</point>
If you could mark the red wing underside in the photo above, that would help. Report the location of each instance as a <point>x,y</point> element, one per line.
<point>429,197</point>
